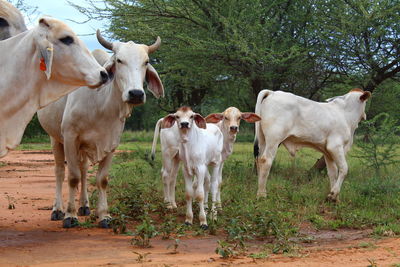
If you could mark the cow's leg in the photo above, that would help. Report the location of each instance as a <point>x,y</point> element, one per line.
<point>166,173</point>
<point>219,203</point>
<point>74,176</point>
<point>199,194</point>
<point>264,163</point>
<point>84,209</point>
<point>339,158</point>
<point>102,182</point>
<point>332,171</point>
<point>172,184</point>
<point>188,196</point>
<point>59,158</point>
<point>214,190</point>
<point>207,187</point>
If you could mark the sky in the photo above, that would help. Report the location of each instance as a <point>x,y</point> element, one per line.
<point>61,10</point>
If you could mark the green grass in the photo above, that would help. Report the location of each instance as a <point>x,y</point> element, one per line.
<point>295,196</point>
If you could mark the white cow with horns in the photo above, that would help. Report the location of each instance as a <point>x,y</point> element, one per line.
<point>38,67</point>
<point>87,125</point>
<point>298,122</point>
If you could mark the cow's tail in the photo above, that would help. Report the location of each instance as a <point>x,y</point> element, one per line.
<point>261,96</point>
<point>155,138</point>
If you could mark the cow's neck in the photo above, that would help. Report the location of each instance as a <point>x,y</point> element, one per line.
<point>353,115</point>
<point>113,103</point>
<point>229,140</point>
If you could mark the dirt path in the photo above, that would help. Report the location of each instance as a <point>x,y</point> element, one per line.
<point>28,237</point>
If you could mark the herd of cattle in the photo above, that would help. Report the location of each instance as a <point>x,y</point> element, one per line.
<point>49,70</point>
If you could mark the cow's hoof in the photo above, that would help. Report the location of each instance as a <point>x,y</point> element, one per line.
<point>105,223</point>
<point>70,222</point>
<point>332,198</point>
<point>84,211</point>
<point>261,195</point>
<point>57,215</point>
<point>204,226</point>
<point>188,224</point>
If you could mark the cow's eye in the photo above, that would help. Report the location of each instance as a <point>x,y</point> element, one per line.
<point>192,117</point>
<point>176,117</point>
<point>67,40</point>
<point>226,118</point>
<point>146,62</point>
<point>119,60</point>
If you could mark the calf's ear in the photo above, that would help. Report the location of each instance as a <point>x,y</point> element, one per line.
<point>365,96</point>
<point>200,121</point>
<point>154,83</point>
<point>168,121</point>
<point>214,118</point>
<point>250,117</point>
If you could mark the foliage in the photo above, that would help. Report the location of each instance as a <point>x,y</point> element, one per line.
<point>225,249</point>
<point>216,54</point>
<point>144,232</point>
<point>294,198</point>
<point>379,149</point>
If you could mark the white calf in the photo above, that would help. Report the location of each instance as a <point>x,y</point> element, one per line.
<point>228,122</point>
<point>200,146</point>
<point>298,122</point>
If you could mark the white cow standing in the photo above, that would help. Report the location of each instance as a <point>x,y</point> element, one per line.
<point>11,20</point>
<point>298,122</point>
<point>88,124</point>
<point>200,146</point>
<point>228,122</point>
<point>38,67</point>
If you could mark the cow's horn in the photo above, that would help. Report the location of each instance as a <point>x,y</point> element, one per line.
<point>103,42</point>
<point>155,46</point>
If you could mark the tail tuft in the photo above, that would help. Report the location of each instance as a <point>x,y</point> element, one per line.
<point>256,149</point>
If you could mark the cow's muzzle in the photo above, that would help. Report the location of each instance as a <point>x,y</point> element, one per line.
<point>103,79</point>
<point>136,97</point>
<point>184,125</point>
<point>233,129</point>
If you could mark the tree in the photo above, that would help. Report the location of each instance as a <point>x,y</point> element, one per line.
<point>236,45</point>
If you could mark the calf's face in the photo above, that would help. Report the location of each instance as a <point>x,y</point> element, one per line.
<point>231,119</point>
<point>184,117</point>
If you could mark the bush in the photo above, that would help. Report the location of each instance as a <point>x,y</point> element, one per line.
<point>378,149</point>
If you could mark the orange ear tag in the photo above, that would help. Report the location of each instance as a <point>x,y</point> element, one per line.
<point>42,64</point>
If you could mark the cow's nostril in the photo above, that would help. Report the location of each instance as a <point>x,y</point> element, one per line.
<point>136,93</point>
<point>104,76</point>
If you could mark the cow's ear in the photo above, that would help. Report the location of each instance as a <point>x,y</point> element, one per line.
<point>110,67</point>
<point>200,121</point>
<point>154,83</point>
<point>365,96</point>
<point>214,118</point>
<point>250,117</point>
<point>168,121</point>
<point>45,47</point>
